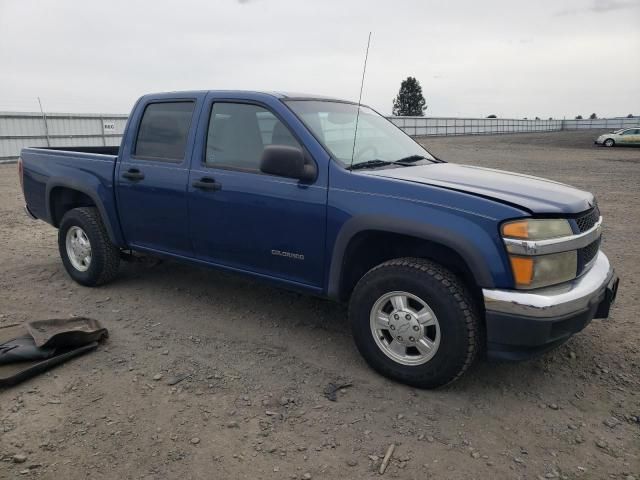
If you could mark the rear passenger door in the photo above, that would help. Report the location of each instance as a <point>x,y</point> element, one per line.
<point>152,176</point>
<point>251,221</point>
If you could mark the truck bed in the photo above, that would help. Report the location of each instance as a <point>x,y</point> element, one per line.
<point>113,150</point>
<point>47,172</point>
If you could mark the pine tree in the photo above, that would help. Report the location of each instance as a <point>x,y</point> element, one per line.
<point>409,101</point>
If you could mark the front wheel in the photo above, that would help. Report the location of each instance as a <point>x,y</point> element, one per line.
<point>414,321</point>
<point>86,251</point>
<point>609,142</point>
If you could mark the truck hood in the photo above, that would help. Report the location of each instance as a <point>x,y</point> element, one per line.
<point>531,193</point>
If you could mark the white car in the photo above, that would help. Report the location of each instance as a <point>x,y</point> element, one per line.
<point>624,136</point>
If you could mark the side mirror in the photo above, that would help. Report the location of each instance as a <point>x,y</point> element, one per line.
<point>286,161</point>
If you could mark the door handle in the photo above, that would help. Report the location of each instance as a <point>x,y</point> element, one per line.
<point>207,183</point>
<point>133,174</point>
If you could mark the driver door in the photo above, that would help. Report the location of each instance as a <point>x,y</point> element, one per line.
<point>251,221</point>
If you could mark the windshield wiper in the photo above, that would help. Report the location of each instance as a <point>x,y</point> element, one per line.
<point>370,164</point>
<point>411,159</point>
<point>404,162</point>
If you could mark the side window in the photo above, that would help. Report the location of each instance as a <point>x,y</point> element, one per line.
<point>239,132</point>
<point>163,131</point>
<point>629,132</point>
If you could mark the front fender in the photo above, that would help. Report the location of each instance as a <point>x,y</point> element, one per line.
<point>476,258</point>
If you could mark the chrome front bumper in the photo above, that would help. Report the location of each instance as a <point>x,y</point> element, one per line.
<point>556,301</point>
<point>524,324</point>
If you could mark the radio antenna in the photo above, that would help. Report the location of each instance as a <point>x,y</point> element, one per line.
<point>364,70</point>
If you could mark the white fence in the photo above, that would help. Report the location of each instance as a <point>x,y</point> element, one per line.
<point>18,130</point>
<point>601,123</point>
<point>422,126</point>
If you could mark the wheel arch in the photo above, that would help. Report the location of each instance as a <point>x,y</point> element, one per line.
<point>367,242</point>
<point>62,196</point>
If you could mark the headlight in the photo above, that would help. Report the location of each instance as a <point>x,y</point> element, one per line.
<point>537,229</point>
<point>535,271</point>
<point>543,270</point>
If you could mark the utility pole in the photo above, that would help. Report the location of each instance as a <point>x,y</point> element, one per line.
<point>46,126</point>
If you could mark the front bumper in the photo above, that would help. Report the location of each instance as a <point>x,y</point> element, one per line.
<point>522,324</point>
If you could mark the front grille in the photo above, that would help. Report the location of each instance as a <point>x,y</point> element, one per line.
<point>587,254</point>
<point>588,219</point>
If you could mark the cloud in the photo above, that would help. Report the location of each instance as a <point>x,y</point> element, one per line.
<point>600,6</point>
<point>609,5</point>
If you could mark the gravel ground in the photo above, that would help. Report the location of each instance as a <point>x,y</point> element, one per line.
<point>257,361</point>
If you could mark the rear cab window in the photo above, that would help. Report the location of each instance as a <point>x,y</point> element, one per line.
<point>163,131</point>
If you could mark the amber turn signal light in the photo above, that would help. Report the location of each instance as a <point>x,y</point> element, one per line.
<point>522,268</point>
<point>516,229</point>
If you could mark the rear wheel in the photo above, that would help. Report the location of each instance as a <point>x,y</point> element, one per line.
<point>609,142</point>
<point>86,251</point>
<point>414,321</point>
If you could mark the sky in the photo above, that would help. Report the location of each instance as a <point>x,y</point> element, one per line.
<point>514,59</point>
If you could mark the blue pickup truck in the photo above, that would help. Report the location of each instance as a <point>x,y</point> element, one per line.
<point>439,262</point>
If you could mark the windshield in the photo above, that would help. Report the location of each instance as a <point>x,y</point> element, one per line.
<point>378,140</point>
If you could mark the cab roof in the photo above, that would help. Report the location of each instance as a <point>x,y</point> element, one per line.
<point>251,94</point>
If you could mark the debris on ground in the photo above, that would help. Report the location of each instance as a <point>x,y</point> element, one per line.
<point>330,391</point>
<point>387,458</point>
<point>177,379</point>
<point>35,347</point>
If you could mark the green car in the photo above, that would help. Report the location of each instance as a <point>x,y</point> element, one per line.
<point>624,136</point>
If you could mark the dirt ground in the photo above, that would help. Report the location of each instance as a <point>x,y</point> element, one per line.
<point>258,359</point>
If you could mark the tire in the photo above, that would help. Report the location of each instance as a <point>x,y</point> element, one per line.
<point>609,142</point>
<point>101,264</point>
<point>456,335</point>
